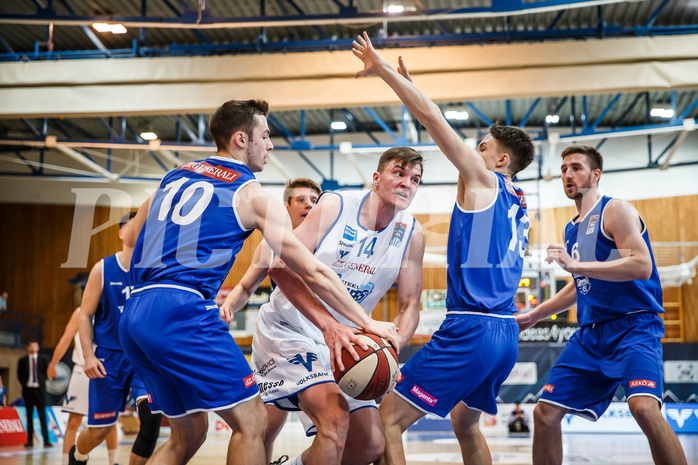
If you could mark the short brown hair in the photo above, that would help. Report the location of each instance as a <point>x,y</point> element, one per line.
<point>299,183</point>
<point>233,116</point>
<point>593,156</point>
<point>517,143</point>
<point>406,156</point>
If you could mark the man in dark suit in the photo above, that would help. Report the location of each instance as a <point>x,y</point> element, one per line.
<point>31,371</point>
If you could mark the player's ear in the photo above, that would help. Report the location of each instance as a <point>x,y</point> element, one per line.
<point>239,139</point>
<point>376,175</point>
<point>504,159</point>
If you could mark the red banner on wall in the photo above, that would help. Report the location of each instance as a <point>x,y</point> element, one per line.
<point>11,428</point>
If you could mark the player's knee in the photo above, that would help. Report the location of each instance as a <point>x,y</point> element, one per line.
<point>74,422</point>
<point>334,425</point>
<point>644,409</point>
<point>373,449</point>
<point>544,416</point>
<point>149,431</point>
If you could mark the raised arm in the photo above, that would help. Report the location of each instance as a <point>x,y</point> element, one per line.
<point>249,283</point>
<point>622,223</point>
<point>409,287</point>
<point>88,308</point>
<point>258,209</point>
<point>469,164</point>
<point>59,351</point>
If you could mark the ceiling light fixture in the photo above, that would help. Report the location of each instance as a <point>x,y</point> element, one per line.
<point>106,27</point>
<point>148,136</point>
<point>456,115</point>
<point>338,125</point>
<point>395,9</point>
<point>660,112</point>
<point>552,119</point>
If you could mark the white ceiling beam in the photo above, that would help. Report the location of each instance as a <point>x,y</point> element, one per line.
<point>87,162</point>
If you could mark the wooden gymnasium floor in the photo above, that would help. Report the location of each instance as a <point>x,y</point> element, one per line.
<point>421,449</point>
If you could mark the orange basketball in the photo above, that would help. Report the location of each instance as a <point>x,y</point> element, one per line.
<point>373,374</point>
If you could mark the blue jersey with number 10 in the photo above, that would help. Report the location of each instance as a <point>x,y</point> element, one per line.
<point>193,233</point>
<point>485,252</point>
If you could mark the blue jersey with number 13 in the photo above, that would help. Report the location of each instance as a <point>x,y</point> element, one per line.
<point>485,252</point>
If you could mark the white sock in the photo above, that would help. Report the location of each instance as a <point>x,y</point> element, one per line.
<point>295,460</point>
<point>80,457</point>
<point>112,456</point>
<point>66,458</point>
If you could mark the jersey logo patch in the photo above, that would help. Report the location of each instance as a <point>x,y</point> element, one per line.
<point>343,253</point>
<point>522,198</point>
<point>549,388</point>
<point>211,171</point>
<point>592,224</point>
<point>398,234</point>
<point>583,285</point>
<point>349,233</point>
<point>307,363</point>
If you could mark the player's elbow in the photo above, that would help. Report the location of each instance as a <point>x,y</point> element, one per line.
<point>642,269</point>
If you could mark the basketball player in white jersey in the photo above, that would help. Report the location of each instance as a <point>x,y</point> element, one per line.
<point>300,196</point>
<point>369,240</point>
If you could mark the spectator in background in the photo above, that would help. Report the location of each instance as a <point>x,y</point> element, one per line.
<point>31,371</point>
<point>518,420</point>
<point>3,301</point>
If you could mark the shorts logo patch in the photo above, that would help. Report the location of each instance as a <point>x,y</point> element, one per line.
<point>643,382</point>
<point>307,363</point>
<point>249,381</point>
<point>423,395</point>
<point>150,398</point>
<point>549,388</point>
<point>105,415</point>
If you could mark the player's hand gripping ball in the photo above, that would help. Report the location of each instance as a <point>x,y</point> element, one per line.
<point>373,374</point>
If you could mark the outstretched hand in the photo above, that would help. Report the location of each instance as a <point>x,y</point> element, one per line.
<point>402,69</point>
<point>363,49</point>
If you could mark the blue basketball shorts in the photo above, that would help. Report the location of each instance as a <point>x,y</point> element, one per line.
<point>108,395</point>
<point>624,351</point>
<point>138,390</point>
<point>466,360</point>
<point>183,352</point>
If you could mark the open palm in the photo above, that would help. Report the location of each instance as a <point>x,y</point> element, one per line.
<point>363,49</point>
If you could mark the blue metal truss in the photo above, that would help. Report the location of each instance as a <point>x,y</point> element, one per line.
<point>121,134</point>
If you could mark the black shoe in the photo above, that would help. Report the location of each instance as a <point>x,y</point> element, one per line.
<point>280,460</point>
<point>47,444</point>
<point>29,444</point>
<point>72,460</point>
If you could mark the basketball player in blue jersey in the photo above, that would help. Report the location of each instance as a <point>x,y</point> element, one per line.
<point>462,368</point>
<point>369,240</point>
<point>110,372</point>
<point>186,237</point>
<point>618,295</point>
<point>300,196</point>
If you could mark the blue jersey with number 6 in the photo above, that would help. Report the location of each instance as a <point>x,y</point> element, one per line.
<point>485,252</point>
<point>193,232</point>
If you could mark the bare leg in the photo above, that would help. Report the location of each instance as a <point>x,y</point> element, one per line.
<point>365,441</point>
<point>113,439</point>
<point>396,415</point>
<point>665,446</point>
<point>276,419</point>
<point>326,406</point>
<point>472,443</point>
<point>248,421</point>
<point>547,434</point>
<point>188,433</point>
<point>92,437</point>
<point>71,431</point>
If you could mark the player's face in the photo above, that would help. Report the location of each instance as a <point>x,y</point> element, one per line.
<point>489,151</point>
<point>259,147</point>
<point>397,184</point>
<point>577,175</point>
<point>33,348</point>
<point>300,203</point>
